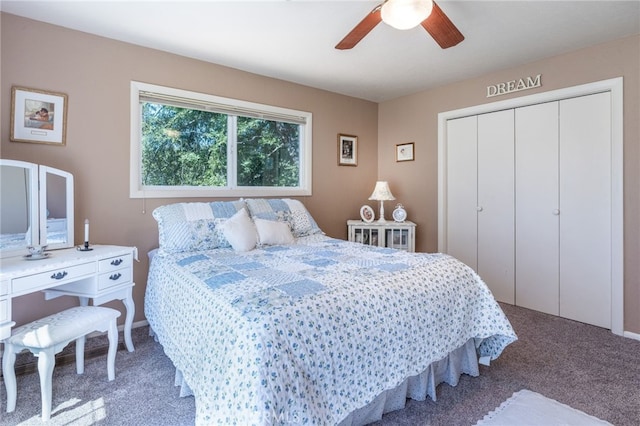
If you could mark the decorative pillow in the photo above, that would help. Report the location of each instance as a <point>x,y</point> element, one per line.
<point>271,232</point>
<point>240,231</point>
<point>193,226</point>
<point>284,210</point>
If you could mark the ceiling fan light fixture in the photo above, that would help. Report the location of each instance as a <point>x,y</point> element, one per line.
<point>405,14</point>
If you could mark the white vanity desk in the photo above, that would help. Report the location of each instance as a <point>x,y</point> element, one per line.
<point>102,274</point>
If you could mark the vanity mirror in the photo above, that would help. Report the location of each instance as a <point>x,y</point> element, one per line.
<point>36,207</point>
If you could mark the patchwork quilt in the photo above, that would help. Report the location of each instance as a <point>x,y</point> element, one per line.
<point>309,332</point>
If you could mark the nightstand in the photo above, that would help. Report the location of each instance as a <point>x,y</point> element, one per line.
<point>398,235</point>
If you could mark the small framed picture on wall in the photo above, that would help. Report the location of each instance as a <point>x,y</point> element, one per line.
<point>38,116</point>
<point>405,152</point>
<point>347,150</point>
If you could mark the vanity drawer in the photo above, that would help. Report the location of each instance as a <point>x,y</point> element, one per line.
<point>116,262</point>
<point>114,278</point>
<point>51,278</point>
<point>4,288</point>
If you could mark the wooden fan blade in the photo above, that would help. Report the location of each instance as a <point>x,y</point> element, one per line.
<point>441,28</point>
<point>362,29</point>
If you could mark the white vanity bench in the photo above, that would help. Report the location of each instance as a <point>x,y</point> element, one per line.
<point>48,336</point>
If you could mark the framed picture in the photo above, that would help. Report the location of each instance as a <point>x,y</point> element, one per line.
<point>404,151</point>
<point>347,150</point>
<point>366,213</point>
<point>38,116</point>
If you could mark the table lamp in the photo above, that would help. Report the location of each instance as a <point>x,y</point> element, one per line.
<point>382,193</point>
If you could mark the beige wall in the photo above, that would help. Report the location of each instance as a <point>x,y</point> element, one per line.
<point>414,119</point>
<point>96,72</point>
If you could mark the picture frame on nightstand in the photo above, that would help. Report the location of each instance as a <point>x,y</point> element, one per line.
<point>366,214</point>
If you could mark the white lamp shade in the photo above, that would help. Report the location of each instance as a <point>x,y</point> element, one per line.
<point>405,14</point>
<point>382,192</point>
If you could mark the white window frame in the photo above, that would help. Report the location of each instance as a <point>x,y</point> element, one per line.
<point>137,190</point>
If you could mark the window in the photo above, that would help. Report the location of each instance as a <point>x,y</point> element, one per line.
<point>188,144</point>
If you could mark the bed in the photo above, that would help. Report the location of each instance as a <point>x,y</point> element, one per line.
<point>269,321</point>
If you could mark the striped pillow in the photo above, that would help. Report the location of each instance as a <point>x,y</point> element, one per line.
<point>284,210</point>
<point>193,226</point>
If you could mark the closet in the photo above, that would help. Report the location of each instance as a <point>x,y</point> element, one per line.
<point>528,203</point>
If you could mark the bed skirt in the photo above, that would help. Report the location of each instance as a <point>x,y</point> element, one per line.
<point>463,360</point>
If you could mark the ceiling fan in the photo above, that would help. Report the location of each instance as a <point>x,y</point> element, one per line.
<point>406,14</point>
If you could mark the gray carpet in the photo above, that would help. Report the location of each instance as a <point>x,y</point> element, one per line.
<point>579,365</point>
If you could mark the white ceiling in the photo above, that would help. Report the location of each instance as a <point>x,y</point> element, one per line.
<point>294,40</point>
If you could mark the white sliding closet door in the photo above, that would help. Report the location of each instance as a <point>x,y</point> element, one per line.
<point>496,203</point>
<point>531,196</point>
<point>462,171</point>
<point>537,208</point>
<point>585,206</point>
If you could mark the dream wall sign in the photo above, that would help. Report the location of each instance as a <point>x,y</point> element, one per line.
<point>514,86</point>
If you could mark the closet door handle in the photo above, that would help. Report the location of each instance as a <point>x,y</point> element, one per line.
<point>479,208</point>
<point>556,212</point>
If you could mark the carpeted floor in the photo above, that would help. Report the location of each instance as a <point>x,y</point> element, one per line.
<point>585,367</point>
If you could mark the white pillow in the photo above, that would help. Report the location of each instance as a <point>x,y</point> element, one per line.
<point>271,232</point>
<point>240,231</point>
